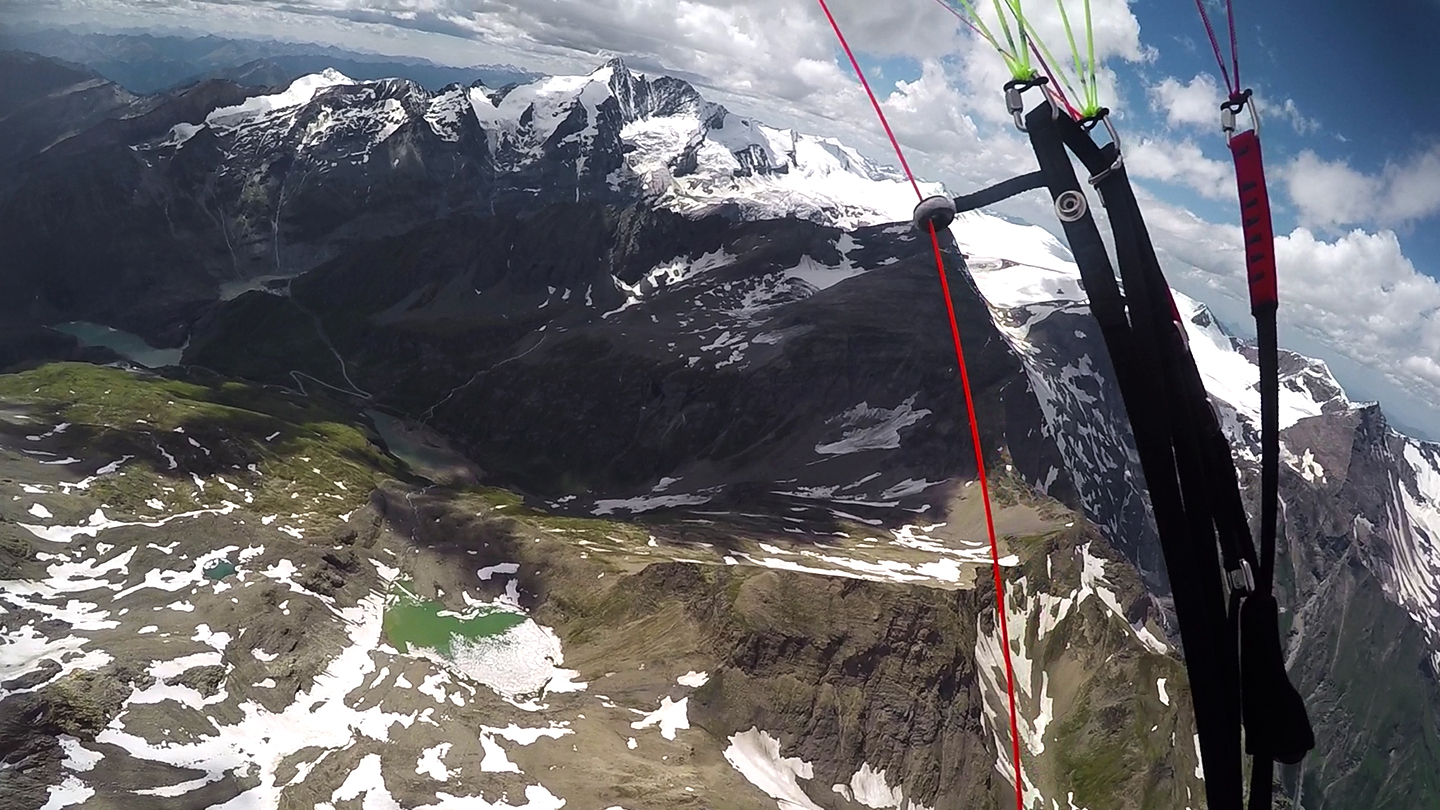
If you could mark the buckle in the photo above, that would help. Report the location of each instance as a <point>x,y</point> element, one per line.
<point>1242,579</point>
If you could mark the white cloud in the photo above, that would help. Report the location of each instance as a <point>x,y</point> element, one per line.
<point>1330,193</point>
<point>1288,111</point>
<point>1181,162</point>
<point>1362,289</point>
<point>1354,300</point>
<point>1195,103</point>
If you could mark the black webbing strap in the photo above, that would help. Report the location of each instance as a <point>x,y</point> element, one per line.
<point>1232,647</point>
<point>1226,677</point>
<point>1144,357</point>
<point>1168,360</point>
<point>1267,344</point>
<point>1003,190</point>
<point>1200,442</point>
<point>1277,726</point>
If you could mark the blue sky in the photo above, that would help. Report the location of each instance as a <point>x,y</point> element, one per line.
<point>1350,68</point>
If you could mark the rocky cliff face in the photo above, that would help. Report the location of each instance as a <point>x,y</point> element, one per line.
<point>627,303</point>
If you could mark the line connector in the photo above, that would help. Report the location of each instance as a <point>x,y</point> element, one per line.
<point>1231,108</point>
<point>1014,104</point>
<point>1103,117</point>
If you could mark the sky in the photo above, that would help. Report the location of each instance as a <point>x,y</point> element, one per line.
<point>1352,149</point>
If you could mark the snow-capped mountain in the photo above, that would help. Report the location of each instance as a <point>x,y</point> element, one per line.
<point>628,302</point>
<point>612,128</point>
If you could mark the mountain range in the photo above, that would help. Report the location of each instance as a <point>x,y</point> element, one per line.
<point>665,391</point>
<point>150,63</point>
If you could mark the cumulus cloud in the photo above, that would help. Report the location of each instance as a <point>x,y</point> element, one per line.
<point>1360,291</point>
<point>1181,162</point>
<point>1355,300</point>
<point>1195,103</point>
<point>1330,193</point>
<point>1367,276</point>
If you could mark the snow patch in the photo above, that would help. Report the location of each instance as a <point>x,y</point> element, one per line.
<point>867,428</point>
<point>646,503</point>
<point>756,755</point>
<point>670,717</point>
<point>693,678</point>
<point>300,92</point>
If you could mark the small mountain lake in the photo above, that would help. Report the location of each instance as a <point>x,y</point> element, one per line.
<point>411,621</point>
<point>131,347</point>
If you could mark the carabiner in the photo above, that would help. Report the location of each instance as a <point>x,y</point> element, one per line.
<point>1229,109</point>
<point>1103,117</point>
<point>1014,104</point>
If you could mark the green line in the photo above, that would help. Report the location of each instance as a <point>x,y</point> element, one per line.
<point>1004,26</point>
<point>1089,102</point>
<point>1022,23</point>
<point>1017,71</point>
<point>1094,101</point>
<point>1034,36</point>
<point>1059,74</point>
<point>1070,36</point>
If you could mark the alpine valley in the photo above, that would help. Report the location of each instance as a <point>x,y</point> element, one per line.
<point>579,443</point>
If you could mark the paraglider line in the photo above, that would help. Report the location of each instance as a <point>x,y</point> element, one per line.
<point>1232,87</point>
<point>969,407</point>
<point>874,102</point>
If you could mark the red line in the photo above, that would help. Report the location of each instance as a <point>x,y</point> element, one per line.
<point>989,520</point>
<point>970,410</point>
<point>874,102</point>
<point>1234,49</point>
<point>1215,44</point>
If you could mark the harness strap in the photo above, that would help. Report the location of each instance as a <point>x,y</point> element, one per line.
<point>1003,190</point>
<point>1146,356</point>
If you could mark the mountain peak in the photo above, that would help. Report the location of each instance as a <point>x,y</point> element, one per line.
<point>300,92</point>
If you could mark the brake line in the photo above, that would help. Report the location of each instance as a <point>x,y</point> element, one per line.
<point>969,407</point>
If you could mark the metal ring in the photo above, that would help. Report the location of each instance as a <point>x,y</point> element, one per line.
<point>1071,206</point>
